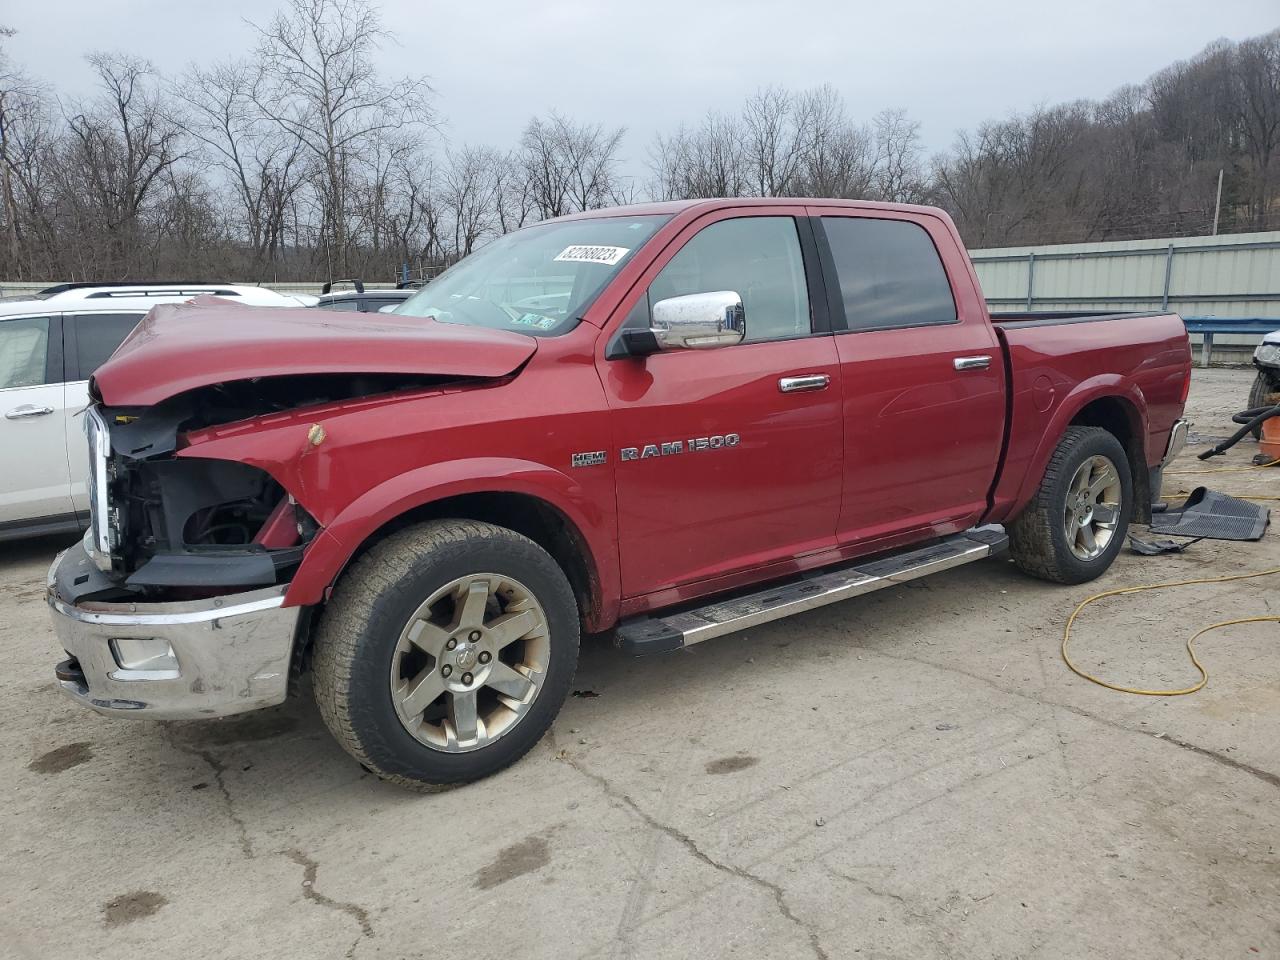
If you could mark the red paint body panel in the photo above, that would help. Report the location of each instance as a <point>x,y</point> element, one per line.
<point>1058,369</point>
<point>699,516</point>
<point>899,448</point>
<point>922,440</point>
<point>178,347</point>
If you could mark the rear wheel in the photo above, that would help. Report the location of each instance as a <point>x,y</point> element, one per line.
<point>1264,385</point>
<point>1076,523</point>
<point>446,652</point>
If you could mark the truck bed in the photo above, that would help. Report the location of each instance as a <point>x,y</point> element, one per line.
<point>1051,318</point>
<point>1058,363</point>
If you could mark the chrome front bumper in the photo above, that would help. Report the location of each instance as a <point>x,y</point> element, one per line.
<point>172,661</point>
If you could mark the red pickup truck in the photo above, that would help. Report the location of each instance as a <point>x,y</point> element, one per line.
<point>672,421</point>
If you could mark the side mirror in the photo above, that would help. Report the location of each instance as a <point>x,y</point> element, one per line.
<point>698,321</point>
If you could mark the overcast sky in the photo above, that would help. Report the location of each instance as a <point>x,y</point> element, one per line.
<point>650,64</point>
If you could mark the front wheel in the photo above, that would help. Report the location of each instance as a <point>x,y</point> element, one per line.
<point>446,652</point>
<point>1076,523</point>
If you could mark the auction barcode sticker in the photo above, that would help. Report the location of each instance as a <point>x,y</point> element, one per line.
<point>584,253</point>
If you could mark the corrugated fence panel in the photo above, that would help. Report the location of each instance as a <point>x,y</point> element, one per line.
<point>1234,276</point>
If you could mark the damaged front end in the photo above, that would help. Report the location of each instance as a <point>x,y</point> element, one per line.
<point>163,527</point>
<point>172,606</point>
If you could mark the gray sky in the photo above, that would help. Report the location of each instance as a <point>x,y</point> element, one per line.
<point>650,64</point>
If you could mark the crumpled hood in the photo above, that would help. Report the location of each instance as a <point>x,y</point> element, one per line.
<point>179,347</point>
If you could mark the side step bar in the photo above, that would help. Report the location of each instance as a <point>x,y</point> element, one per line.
<point>645,635</point>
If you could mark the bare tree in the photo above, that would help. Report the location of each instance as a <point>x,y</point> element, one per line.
<point>899,169</point>
<point>1257,110</point>
<point>708,161</point>
<point>260,161</point>
<point>470,195</point>
<point>119,145</point>
<point>21,108</point>
<point>570,167</point>
<point>320,84</point>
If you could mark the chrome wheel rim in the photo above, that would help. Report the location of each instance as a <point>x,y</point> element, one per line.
<point>1093,508</point>
<point>470,662</point>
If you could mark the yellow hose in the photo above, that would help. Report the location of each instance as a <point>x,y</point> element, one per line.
<point>1204,676</point>
<point>1256,466</point>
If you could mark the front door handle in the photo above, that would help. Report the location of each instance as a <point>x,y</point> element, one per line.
<point>972,363</point>
<point>809,381</point>
<point>27,410</point>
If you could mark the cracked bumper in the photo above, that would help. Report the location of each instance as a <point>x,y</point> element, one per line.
<point>171,661</point>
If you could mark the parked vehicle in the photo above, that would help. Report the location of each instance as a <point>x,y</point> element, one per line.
<point>721,413</point>
<point>1267,383</point>
<point>50,343</point>
<point>362,299</point>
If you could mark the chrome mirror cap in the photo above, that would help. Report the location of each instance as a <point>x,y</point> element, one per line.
<point>699,321</point>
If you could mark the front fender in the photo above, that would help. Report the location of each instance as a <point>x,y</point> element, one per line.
<point>330,552</point>
<point>1102,386</point>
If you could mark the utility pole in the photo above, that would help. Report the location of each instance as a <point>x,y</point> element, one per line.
<point>1217,205</point>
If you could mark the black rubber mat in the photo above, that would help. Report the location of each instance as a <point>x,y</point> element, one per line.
<point>1214,516</point>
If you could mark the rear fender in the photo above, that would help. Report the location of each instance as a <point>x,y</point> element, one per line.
<point>1086,392</point>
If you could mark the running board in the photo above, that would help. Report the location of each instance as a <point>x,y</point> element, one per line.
<point>645,635</point>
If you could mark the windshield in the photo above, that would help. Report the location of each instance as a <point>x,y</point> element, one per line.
<point>538,280</point>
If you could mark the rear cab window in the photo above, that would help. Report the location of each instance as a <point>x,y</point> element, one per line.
<point>887,274</point>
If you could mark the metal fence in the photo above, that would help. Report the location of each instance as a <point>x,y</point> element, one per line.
<point>1211,281</point>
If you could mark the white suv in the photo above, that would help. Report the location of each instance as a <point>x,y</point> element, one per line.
<point>50,343</point>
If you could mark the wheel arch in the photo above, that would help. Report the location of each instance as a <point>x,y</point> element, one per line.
<point>531,499</point>
<point>1120,417</point>
<point>1108,401</point>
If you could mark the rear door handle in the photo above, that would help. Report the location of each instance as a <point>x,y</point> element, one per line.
<point>27,410</point>
<point>809,381</point>
<point>972,363</point>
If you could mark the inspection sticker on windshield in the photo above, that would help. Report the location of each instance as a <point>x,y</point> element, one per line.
<point>584,253</point>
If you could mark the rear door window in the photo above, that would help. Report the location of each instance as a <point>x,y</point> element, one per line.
<point>96,337</point>
<point>889,274</point>
<point>24,352</point>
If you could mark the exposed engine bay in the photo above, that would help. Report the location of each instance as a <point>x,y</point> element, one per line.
<point>167,527</point>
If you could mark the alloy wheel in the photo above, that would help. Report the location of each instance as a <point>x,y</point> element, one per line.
<point>470,662</point>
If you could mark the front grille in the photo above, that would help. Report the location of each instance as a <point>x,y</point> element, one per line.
<point>102,541</point>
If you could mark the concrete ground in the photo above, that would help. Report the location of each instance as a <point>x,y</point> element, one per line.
<point>913,774</point>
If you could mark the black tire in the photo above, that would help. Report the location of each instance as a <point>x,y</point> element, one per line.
<point>360,627</point>
<point>1264,384</point>
<point>1038,537</point>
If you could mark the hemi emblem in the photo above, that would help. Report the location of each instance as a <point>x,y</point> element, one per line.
<point>591,459</point>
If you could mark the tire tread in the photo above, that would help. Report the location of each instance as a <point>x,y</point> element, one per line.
<point>353,607</point>
<point>1031,535</point>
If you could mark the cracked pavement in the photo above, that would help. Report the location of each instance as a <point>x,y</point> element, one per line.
<point>911,774</point>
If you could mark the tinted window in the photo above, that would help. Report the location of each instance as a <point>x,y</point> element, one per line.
<point>756,257</point>
<point>373,306</point>
<point>98,335</point>
<point>24,351</point>
<point>890,273</point>
<point>337,305</point>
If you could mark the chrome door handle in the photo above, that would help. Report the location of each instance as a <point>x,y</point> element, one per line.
<point>810,381</point>
<point>972,363</point>
<point>27,410</point>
